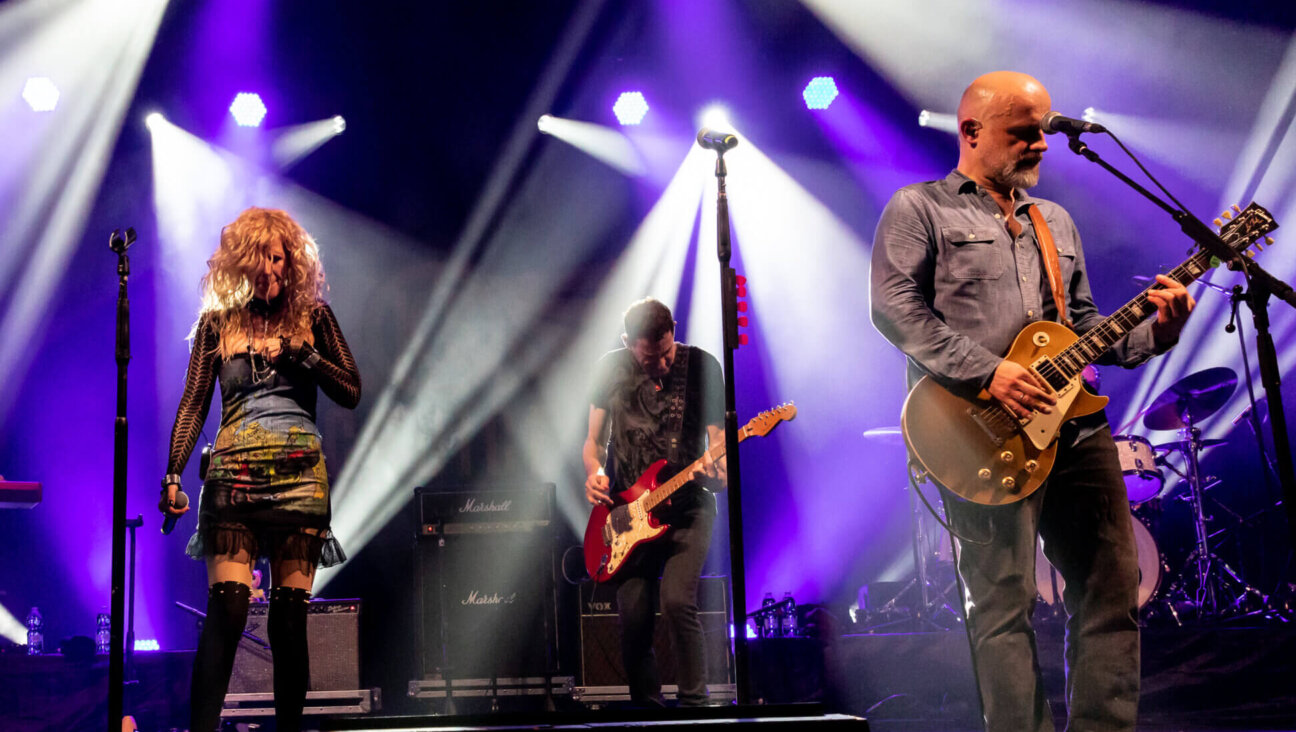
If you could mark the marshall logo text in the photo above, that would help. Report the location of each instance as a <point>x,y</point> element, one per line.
<point>474,506</point>
<point>495,598</point>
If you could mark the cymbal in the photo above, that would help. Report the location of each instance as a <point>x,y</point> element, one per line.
<point>1185,445</point>
<point>885,436</point>
<point>1192,398</point>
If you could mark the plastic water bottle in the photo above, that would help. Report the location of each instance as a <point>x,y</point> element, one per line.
<point>103,634</point>
<point>769,624</point>
<point>789,628</point>
<point>35,633</point>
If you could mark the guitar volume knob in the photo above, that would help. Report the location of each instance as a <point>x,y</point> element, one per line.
<point>1010,483</point>
<point>1006,456</point>
<point>984,473</point>
<point>1031,466</point>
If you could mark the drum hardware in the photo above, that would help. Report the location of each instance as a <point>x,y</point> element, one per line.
<point>1206,584</point>
<point>933,600</point>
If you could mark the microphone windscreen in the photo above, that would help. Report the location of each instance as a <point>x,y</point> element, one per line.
<point>181,499</point>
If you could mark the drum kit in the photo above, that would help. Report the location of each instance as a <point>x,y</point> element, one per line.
<point>1202,587</point>
<point>1205,586</point>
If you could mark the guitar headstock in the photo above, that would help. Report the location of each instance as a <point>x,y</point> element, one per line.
<point>761,424</point>
<point>1242,228</point>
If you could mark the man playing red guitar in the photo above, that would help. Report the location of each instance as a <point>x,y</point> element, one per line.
<point>957,273</point>
<point>657,399</point>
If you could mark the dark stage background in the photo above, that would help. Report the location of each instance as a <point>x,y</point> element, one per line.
<point>479,267</point>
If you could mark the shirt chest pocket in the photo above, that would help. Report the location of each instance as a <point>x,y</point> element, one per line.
<point>971,254</point>
<point>1066,260</point>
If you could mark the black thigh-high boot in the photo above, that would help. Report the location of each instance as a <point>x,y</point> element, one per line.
<point>288,606</point>
<point>227,611</point>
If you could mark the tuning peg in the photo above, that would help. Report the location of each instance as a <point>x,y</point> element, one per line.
<point>1236,209</point>
<point>1227,215</point>
<point>1269,240</point>
<point>1218,222</point>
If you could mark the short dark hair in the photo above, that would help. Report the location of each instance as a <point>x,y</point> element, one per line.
<point>648,318</point>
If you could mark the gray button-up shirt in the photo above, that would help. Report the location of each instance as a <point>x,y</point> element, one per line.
<point>951,288</point>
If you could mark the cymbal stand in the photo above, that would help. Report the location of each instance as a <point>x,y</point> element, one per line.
<point>1218,589</point>
<point>932,600</point>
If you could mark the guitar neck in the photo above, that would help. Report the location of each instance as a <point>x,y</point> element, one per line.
<point>1099,339</point>
<point>683,477</point>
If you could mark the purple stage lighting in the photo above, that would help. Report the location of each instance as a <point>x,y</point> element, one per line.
<point>820,92</point>
<point>248,109</point>
<point>630,108</point>
<point>40,94</point>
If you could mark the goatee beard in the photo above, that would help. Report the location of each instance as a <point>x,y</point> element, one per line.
<point>1021,177</point>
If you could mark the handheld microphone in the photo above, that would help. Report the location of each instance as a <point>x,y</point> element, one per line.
<point>1054,122</point>
<point>169,523</point>
<point>711,139</point>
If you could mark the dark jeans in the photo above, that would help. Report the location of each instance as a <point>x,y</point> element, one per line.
<point>677,560</point>
<point>1082,514</point>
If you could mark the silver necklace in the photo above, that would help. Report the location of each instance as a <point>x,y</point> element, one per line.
<point>259,376</point>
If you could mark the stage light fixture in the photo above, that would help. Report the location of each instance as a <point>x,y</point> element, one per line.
<point>820,92</point>
<point>938,120</point>
<point>339,124</point>
<point>1089,114</point>
<point>715,117</point>
<point>154,120</point>
<point>545,123</point>
<point>40,94</point>
<point>630,108</point>
<point>248,109</point>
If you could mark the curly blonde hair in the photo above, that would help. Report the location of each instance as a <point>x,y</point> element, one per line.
<point>227,288</point>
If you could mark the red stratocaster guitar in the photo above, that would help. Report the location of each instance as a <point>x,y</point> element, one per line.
<point>614,532</point>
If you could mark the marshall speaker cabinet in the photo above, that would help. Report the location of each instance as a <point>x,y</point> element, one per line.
<point>485,571</point>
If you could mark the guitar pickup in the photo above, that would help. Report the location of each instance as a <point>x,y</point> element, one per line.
<point>978,417</point>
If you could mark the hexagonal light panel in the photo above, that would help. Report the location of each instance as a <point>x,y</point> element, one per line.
<point>40,94</point>
<point>820,92</point>
<point>630,108</point>
<point>248,109</point>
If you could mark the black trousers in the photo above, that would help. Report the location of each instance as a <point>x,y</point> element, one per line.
<point>667,570</point>
<point>1082,515</point>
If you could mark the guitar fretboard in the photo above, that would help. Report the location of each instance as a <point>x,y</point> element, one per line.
<point>682,478</point>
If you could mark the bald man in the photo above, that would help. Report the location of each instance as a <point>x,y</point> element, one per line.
<point>957,273</point>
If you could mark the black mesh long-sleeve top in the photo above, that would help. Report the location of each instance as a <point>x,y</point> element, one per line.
<point>334,372</point>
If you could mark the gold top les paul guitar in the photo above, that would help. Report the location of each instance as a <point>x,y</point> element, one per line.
<point>982,452</point>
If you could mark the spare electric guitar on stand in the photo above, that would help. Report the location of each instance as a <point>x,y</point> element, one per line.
<point>615,531</point>
<point>980,450</point>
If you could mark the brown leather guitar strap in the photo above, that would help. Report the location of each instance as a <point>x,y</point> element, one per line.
<point>1048,251</point>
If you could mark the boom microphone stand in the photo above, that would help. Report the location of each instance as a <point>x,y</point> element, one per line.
<point>1260,286</point>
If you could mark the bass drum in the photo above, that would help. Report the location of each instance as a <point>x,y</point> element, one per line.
<point>1050,584</point>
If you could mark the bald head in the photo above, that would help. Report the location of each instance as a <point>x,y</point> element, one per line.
<point>998,93</point>
<point>1000,142</point>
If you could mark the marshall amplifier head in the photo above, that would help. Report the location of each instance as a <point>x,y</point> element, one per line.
<point>484,511</point>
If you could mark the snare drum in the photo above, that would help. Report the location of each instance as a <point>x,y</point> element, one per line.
<point>1050,585</point>
<point>1143,479</point>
